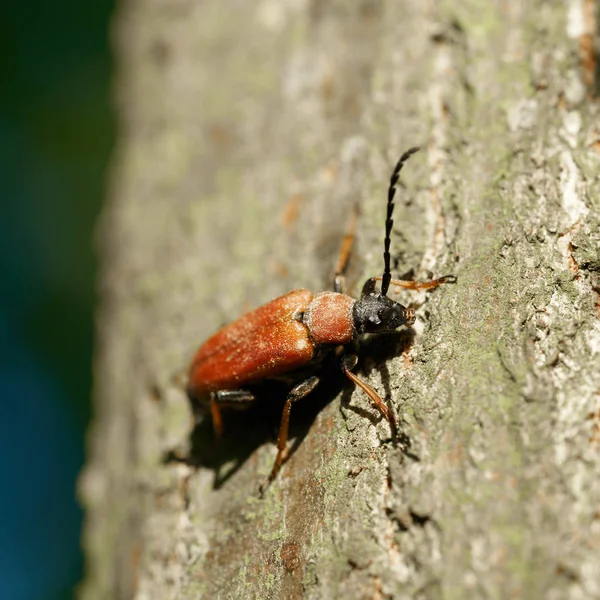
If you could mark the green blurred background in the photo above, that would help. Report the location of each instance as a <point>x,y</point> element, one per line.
<point>56,133</point>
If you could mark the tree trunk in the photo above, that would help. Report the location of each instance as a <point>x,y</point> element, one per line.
<point>249,130</point>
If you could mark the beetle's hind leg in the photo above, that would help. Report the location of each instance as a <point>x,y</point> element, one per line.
<point>348,363</point>
<point>296,393</point>
<point>229,399</point>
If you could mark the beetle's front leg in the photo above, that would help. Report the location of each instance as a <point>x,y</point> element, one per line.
<point>369,286</point>
<point>339,280</point>
<point>296,393</point>
<point>230,399</point>
<point>421,285</point>
<point>348,363</point>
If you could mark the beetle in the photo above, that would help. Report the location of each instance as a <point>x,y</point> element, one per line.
<point>288,334</point>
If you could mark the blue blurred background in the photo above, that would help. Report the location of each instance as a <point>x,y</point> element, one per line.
<point>56,132</point>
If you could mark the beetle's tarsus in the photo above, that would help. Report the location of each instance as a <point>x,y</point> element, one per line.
<point>448,279</point>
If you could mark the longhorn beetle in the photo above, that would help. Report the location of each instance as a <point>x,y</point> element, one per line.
<point>287,333</point>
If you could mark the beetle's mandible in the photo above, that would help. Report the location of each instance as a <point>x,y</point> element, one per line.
<point>285,335</point>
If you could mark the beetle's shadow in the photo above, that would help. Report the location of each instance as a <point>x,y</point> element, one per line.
<point>246,430</point>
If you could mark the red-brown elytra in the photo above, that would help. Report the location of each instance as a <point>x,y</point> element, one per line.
<point>285,335</point>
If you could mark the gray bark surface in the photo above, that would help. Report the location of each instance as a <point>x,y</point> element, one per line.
<point>248,131</point>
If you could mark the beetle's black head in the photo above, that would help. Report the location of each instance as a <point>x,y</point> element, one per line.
<point>377,313</point>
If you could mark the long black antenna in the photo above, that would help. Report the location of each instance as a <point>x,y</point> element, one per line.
<point>389,222</point>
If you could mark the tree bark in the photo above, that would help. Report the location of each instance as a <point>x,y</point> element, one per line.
<point>248,132</point>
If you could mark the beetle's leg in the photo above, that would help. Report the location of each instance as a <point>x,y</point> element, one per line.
<point>229,398</point>
<point>348,363</point>
<point>215,412</point>
<point>339,281</point>
<point>234,398</point>
<point>297,393</point>
<point>421,285</point>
